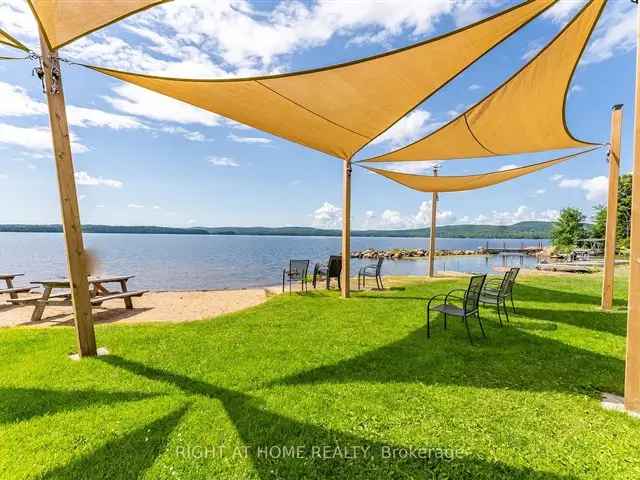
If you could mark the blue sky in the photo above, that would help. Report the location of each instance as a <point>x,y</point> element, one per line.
<point>142,159</point>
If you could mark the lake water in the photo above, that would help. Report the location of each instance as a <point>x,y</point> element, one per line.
<point>187,262</point>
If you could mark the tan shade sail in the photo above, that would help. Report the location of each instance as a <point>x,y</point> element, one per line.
<point>7,39</point>
<point>63,21</point>
<point>526,114</point>
<point>339,109</point>
<point>425,183</point>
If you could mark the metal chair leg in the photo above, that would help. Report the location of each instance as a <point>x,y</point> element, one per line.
<point>498,308</point>
<point>506,312</point>
<point>381,284</point>
<point>480,322</point>
<point>428,326</point>
<point>512,304</point>
<point>466,324</point>
<point>445,321</point>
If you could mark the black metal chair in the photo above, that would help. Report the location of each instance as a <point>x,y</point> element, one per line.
<point>470,305</point>
<point>332,269</point>
<point>496,291</point>
<point>372,271</point>
<point>298,270</point>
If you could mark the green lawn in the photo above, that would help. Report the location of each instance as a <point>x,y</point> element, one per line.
<point>278,390</point>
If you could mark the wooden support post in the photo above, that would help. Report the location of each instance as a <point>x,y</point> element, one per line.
<point>432,232</point>
<point>632,365</point>
<point>76,257</point>
<point>612,209</point>
<point>346,230</point>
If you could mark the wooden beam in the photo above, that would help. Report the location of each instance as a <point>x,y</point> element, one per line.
<point>632,365</point>
<point>612,209</point>
<point>346,230</point>
<point>76,256</point>
<point>432,232</point>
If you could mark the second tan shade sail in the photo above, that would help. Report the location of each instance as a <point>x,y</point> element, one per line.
<point>338,110</point>
<point>63,21</point>
<point>7,39</point>
<point>441,183</point>
<point>525,114</point>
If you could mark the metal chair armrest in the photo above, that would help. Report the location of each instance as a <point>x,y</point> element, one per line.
<point>433,298</point>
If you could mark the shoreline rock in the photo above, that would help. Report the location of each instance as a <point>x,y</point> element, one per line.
<point>400,253</point>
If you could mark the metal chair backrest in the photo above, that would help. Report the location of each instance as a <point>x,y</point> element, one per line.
<point>298,268</point>
<point>334,267</point>
<point>472,295</point>
<point>509,280</point>
<point>379,265</point>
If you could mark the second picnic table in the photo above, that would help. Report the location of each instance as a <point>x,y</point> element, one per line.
<point>99,293</point>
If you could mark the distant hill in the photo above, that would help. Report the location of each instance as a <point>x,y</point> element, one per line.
<point>105,229</point>
<point>536,230</point>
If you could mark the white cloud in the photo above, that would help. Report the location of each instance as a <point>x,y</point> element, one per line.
<point>223,162</point>
<point>145,103</point>
<point>394,219</point>
<point>409,129</point>
<point>34,138</point>
<point>595,188</point>
<point>16,102</point>
<point>416,168</point>
<point>576,89</point>
<point>474,86</point>
<point>191,135</point>
<point>532,50</point>
<point>3,176</point>
<point>90,117</point>
<point>510,166</point>
<point>241,139</point>
<point>83,178</point>
<point>248,38</point>
<point>540,191</point>
<point>509,217</point>
<point>556,177</point>
<point>615,33</point>
<point>453,113</point>
<point>563,10</point>
<point>327,216</point>
<point>16,18</point>
<point>135,206</point>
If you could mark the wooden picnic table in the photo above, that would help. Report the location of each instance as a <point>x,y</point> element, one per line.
<point>98,291</point>
<point>11,290</point>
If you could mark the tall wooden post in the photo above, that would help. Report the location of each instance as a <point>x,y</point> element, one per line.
<point>346,230</point>
<point>76,257</point>
<point>432,236</point>
<point>632,366</point>
<point>612,209</point>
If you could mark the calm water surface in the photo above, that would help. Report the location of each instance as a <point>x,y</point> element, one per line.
<point>186,262</point>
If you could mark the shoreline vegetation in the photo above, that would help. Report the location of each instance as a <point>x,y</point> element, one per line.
<point>529,230</point>
<point>413,253</point>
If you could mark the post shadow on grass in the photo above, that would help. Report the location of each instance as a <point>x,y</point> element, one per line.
<point>608,322</point>
<point>511,359</point>
<point>125,457</point>
<point>20,404</point>
<point>313,449</point>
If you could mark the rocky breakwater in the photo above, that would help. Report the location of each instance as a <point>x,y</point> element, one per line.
<point>411,253</point>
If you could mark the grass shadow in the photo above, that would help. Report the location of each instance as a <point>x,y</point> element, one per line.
<point>512,359</point>
<point>326,453</point>
<point>20,404</point>
<point>126,457</point>
<point>609,322</point>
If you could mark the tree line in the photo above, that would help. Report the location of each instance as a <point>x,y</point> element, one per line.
<point>571,225</point>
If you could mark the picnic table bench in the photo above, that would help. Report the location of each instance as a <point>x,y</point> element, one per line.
<point>97,289</point>
<point>11,290</point>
